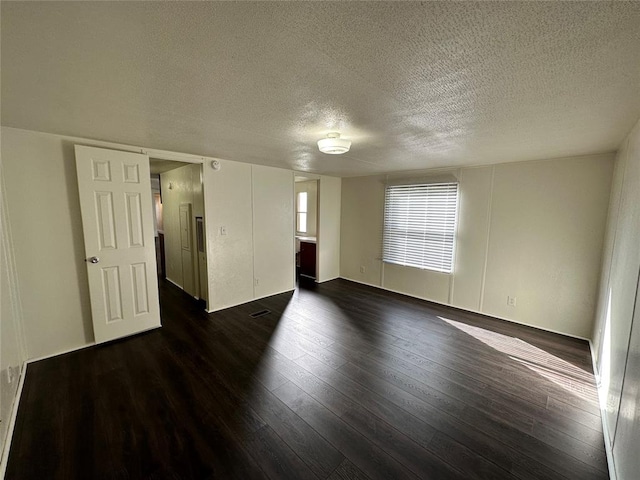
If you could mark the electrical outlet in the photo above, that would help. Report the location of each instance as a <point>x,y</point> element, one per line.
<point>362,269</point>
<point>511,301</point>
<point>223,230</point>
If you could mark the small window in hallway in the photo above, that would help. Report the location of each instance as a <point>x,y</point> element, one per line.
<point>301,212</point>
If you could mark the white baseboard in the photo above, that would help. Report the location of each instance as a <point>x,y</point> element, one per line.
<point>327,279</point>
<point>249,301</point>
<point>372,285</point>
<point>12,421</point>
<point>605,424</point>
<point>468,309</point>
<point>272,294</point>
<point>69,350</point>
<point>175,283</point>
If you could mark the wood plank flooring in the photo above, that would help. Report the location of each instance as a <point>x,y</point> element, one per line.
<point>339,381</point>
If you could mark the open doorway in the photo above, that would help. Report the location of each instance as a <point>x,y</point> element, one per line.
<point>179,225</point>
<point>306,225</point>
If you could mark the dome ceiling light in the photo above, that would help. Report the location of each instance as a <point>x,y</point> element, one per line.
<point>333,144</point>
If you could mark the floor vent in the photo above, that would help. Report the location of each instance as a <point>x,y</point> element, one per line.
<point>261,313</point>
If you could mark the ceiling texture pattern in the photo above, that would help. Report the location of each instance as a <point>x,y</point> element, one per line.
<point>413,85</point>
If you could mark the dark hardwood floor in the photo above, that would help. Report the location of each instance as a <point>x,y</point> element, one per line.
<point>339,381</point>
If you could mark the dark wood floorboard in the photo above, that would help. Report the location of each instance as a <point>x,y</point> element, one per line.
<point>340,381</point>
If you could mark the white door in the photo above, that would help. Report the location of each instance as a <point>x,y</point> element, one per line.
<point>119,244</point>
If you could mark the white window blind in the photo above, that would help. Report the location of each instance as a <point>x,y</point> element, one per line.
<point>420,224</point>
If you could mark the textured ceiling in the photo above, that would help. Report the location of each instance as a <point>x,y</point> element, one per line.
<point>413,85</point>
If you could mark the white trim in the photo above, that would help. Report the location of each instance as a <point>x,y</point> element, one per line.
<point>468,310</point>
<point>603,415</point>
<point>12,422</point>
<point>272,294</point>
<point>88,345</point>
<point>62,352</point>
<point>249,301</point>
<point>174,156</point>
<point>326,279</point>
<point>365,283</point>
<point>175,283</point>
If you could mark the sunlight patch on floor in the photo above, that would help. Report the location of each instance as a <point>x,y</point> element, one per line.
<point>562,373</point>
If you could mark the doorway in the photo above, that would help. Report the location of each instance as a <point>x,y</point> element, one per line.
<point>179,214</point>
<point>306,225</point>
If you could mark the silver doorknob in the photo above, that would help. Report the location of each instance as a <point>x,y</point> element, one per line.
<point>94,260</point>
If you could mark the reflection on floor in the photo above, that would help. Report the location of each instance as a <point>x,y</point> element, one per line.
<point>340,380</point>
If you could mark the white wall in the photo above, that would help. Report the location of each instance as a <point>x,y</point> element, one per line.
<point>545,242</point>
<point>533,230</point>
<point>186,186</point>
<point>273,231</point>
<point>617,328</point>
<point>328,243</point>
<point>254,205</point>
<point>311,187</point>
<point>228,205</point>
<point>44,211</point>
<point>12,348</point>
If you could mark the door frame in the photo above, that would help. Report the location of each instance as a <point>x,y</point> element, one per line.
<point>203,161</point>
<point>178,157</point>
<point>308,177</point>
<point>117,225</point>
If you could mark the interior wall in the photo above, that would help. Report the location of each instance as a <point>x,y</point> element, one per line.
<point>229,223</point>
<point>273,230</point>
<point>242,245</point>
<point>181,186</point>
<point>545,242</point>
<point>12,348</point>
<point>51,275</point>
<point>532,230</point>
<point>311,187</point>
<point>617,328</point>
<point>44,211</point>
<point>328,243</point>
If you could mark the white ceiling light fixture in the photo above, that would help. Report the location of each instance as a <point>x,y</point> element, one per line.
<point>333,144</point>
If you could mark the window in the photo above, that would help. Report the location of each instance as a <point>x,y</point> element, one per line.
<point>301,212</point>
<point>420,224</point>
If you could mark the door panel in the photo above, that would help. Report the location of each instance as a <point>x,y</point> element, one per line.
<point>106,220</point>
<point>112,293</point>
<point>134,219</point>
<point>118,231</point>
